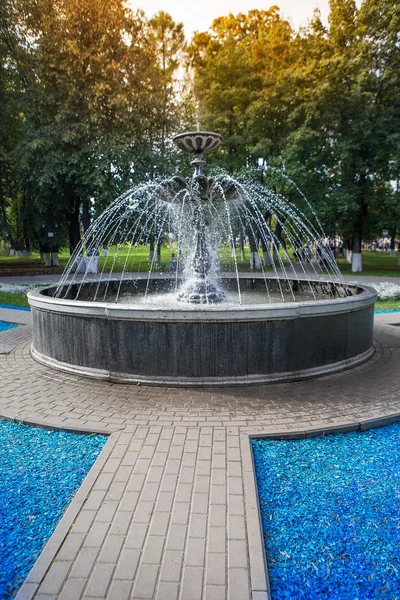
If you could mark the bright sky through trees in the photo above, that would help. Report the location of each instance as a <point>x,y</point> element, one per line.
<point>198,16</point>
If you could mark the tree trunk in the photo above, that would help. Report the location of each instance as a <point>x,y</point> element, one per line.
<point>266,252</point>
<point>233,249</point>
<point>25,226</point>
<point>393,242</point>
<point>255,262</point>
<point>3,212</point>
<point>3,219</point>
<point>347,249</point>
<point>278,241</point>
<point>242,255</point>
<point>356,258</point>
<point>74,231</point>
<point>158,256</point>
<point>267,259</point>
<point>151,250</point>
<point>85,214</point>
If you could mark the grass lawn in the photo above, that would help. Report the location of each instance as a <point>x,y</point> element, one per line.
<point>14,299</point>
<point>387,304</point>
<point>135,259</point>
<point>374,263</point>
<point>32,258</point>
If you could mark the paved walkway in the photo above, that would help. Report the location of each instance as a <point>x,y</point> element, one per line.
<point>169,510</point>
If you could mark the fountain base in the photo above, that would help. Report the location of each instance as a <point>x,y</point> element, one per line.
<point>201,291</point>
<point>203,345</point>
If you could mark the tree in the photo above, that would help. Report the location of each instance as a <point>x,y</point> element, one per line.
<point>380,26</point>
<point>167,42</point>
<point>322,104</point>
<point>241,69</point>
<point>346,138</point>
<point>359,99</point>
<point>81,107</point>
<point>13,80</point>
<point>222,85</point>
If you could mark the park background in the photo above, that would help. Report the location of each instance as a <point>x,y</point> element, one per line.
<point>91,94</point>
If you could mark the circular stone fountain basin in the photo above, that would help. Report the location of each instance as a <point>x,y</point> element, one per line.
<point>193,345</point>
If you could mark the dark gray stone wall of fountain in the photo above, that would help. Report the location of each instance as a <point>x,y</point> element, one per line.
<point>230,351</point>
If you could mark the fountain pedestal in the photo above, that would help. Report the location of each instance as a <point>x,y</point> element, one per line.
<point>199,288</point>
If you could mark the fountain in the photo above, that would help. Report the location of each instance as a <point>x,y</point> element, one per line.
<point>196,326</point>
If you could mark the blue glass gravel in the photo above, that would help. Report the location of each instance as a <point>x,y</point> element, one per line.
<point>4,325</point>
<point>15,307</point>
<point>389,310</point>
<point>40,471</point>
<point>330,510</point>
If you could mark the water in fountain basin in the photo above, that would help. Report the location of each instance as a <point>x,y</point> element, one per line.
<point>247,298</point>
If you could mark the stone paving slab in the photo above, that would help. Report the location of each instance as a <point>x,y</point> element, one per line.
<point>10,338</point>
<point>12,315</point>
<point>170,509</point>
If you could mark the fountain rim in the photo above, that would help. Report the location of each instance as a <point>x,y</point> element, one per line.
<point>205,313</point>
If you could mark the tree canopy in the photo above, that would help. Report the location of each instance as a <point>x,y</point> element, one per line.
<point>321,103</point>
<point>92,92</point>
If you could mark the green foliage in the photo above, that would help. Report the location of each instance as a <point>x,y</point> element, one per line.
<point>238,83</point>
<point>12,80</point>
<point>375,263</point>
<point>90,98</point>
<point>14,299</point>
<point>322,105</point>
<point>98,106</point>
<point>387,304</point>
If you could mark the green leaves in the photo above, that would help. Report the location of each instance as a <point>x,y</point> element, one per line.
<point>91,93</point>
<point>99,105</point>
<point>323,104</point>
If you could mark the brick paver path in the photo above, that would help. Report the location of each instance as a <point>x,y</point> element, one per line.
<point>164,514</point>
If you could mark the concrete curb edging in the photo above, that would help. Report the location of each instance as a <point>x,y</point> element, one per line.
<point>218,313</point>
<point>61,427</point>
<point>259,581</point>
<point>362,425</point>
<point>43,563</point>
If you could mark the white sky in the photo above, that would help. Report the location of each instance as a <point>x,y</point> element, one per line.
<point>197,15</point>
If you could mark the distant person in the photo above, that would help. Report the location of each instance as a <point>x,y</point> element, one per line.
<point>307,253</point>
<point>173,264</point>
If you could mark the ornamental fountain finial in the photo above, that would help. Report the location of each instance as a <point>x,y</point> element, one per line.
<point>197,143</point>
